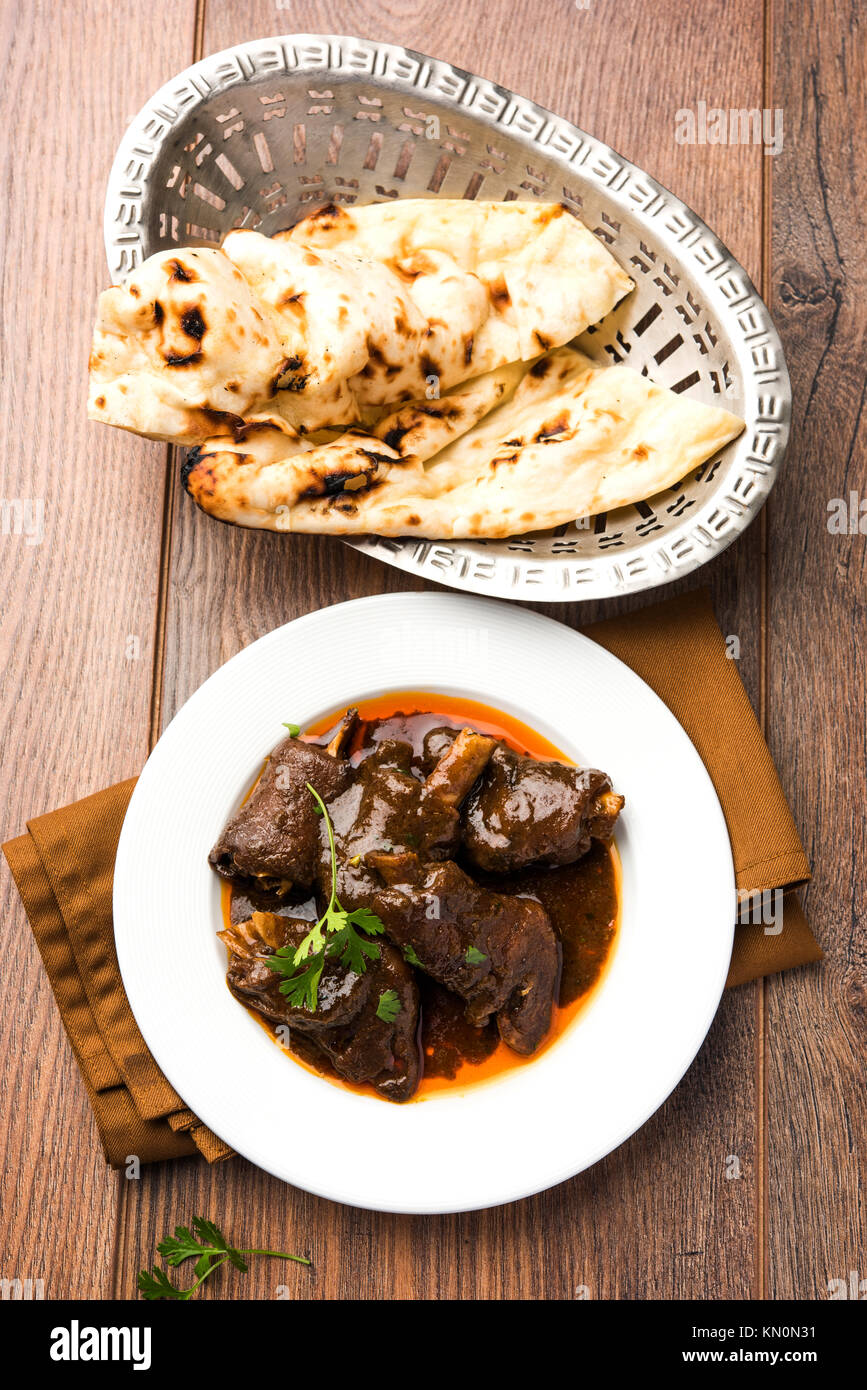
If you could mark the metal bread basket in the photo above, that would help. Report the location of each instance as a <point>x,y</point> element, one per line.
<point>259,135</point>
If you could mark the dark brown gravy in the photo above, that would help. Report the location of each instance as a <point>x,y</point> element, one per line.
<point>581,899</point>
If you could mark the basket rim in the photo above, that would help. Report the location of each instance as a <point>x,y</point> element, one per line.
<point>342,57</point>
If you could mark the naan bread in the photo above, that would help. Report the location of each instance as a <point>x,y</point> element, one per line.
<point>182,340</point>
<point>547,277</point>
<point>351,320</point>
<point>288,469</point>
<point>292,468</point>
<point>574,439</point>
<point>348,312</point>
<point>422,428</point>
<point>259,351</point>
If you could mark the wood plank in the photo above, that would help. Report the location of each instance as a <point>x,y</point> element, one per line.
<point>73,706</point>
<point>817,1019</point>
<point>658,1218</point>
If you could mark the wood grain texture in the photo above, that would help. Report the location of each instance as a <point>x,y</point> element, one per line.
<point>657,1218</point>
<point>73,703</point>
<point>817,1019</point>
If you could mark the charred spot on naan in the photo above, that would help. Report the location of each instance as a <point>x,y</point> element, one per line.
<point>327,217</point>
<point>225,422</point>
<point>554,429</point>
<point>380,458</point>
<point>338,482</point>
<point>402,326</point>
<point>343,503</point>
<point>430,368</point>
<point>341,482</point>
<point>498,293</point>
<point>546,212</point>
<point>378,363</point>
<point>248,429</point>
<point>540,369</point>
<point>414,417</point>
<point>181,272</point>
<point>182,359</point>
<point>394,437</point>
<point>292,376</point>
<point>192,322</point>
<point>409,268</point>
<point>197,476</point>
<point>330,217</point>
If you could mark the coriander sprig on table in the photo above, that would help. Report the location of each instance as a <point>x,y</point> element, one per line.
<point>210,1250</point>
<point>337,933</point>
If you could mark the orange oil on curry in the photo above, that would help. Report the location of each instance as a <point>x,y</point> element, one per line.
<point>456,1054</point>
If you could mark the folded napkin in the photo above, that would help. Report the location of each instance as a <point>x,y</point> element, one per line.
<point>64,867</point>
<point>677,648</point>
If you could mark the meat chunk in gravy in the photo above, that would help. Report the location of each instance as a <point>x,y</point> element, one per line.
<point>362,1046</point>
<point>523,811</point>
<point>498,952</point>
<point>403,827</point>
<point>389,807</point>
<point>275,841</point>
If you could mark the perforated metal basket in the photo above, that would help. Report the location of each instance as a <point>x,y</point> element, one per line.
<point>260,134</point>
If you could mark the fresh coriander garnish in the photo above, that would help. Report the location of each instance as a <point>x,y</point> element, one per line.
<point>388,1007</point>
<point>209,1248</point>
<point>474,956</point>
<point>335,934</point>
<point>410,957</point>
<point>294,729</point>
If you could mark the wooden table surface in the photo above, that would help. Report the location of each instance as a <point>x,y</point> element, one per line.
<point>779,1081</point>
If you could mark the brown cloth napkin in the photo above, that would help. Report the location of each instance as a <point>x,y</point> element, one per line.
<point>64,867</point>
<point>677,648</point>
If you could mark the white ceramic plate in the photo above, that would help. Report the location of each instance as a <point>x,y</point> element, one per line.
<point>508,1137</point>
